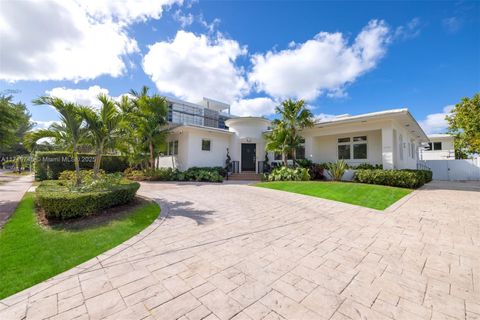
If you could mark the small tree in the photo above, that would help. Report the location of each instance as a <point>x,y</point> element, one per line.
<point>102,127</point>
<point>149,121</point>
<point>69,131</point>
<point>285,136</point>
<point>464,124</point>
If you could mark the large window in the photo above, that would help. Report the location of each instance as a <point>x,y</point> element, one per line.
<point>206,144</point>
<point>352,148</point>
<point>344,148</point>
<point>300,151</point>
<point>172,148</point>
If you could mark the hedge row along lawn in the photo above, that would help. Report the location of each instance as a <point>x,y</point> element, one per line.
<point>30,253</point>
<point>365,195</point>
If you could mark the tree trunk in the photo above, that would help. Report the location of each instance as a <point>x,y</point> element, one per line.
<point>285,158</point>
<point>294,155</point>
<point>152,161</point>
<point>77,166</point>
<point>98,161</point>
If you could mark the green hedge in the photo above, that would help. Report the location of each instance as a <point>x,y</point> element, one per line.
<point>59,202</point>
<point>395,178</point>
<point>49,164</point>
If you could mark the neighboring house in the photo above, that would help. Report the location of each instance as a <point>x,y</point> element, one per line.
<point>201,134</point>
<point>440,147</point>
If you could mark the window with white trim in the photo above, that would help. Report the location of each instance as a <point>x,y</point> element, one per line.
<point>352,148</point>
<point>172,149</point>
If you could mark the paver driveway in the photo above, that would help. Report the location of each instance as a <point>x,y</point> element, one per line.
<point>235,251</point>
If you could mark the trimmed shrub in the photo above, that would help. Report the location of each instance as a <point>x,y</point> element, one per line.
<point>396,178</point>
<point>49,164</point>
<point>289,174</point>
<point>205,174</point>
<point>198,174</point>
<point>427,174</point>
<point>368,166</point>
<point>161,174</point>
<point>61,203</point>
<point>84,174</point>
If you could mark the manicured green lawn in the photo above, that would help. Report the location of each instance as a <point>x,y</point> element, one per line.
<point>30,254</point>
<point>366,195</point>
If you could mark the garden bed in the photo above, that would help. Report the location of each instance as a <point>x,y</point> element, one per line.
<point>60,202</point>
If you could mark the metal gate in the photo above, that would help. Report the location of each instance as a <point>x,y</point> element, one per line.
<point>468,169</point>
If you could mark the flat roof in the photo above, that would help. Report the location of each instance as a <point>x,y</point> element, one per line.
<point>374,115</point>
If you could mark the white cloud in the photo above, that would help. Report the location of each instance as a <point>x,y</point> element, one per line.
<point>324,117</point>
<point>325,63</point>
<point>408,31</point>
<point>192,67</point>
<point>452,24</point>
<point>86,97</point>
<point>126,11</point>
<point>435,122</point>
<point>43,124</point>
<point>254,107</point>
<point>184,19</point>
<point>69,40</point>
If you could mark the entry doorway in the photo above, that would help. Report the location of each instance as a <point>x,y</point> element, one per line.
<point>248,156</point>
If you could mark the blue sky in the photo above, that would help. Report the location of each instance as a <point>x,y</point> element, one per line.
<point>342,57</point>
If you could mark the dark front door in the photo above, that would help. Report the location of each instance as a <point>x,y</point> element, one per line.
<point>248,156</point>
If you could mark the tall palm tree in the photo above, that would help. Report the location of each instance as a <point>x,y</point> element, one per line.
<point>285,136</point>
<point>149,119</point>
<point>68,131</point>
<point>101,127</point>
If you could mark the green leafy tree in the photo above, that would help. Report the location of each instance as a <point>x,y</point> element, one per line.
<point>146,120</point>
<point>68,130</point>
<point>464,124</point>
<point>285,137</point>
<point>14,123</point>
<point>102,127</point>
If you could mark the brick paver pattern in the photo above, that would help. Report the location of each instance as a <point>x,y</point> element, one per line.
<point>241,252</point>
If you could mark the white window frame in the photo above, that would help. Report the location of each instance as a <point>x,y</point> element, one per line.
<point>349,143</point>
<point>352,144</point>
<point>171,148</point>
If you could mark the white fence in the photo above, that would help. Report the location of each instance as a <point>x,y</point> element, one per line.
<point>454,169</point>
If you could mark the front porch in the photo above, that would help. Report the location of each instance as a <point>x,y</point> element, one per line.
<point>388,146</point>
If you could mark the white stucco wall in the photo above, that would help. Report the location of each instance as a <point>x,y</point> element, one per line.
<point>410,159</point>
<point>447,152</point>
<point>325,148</point>
<point>219,142</point>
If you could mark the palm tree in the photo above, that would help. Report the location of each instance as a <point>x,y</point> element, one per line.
<point>285,136</point>
<point>101,127</point>
<point>68,131</point>
<point>149,120</point>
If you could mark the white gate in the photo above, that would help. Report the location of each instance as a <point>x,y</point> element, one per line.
<point>468,169</point>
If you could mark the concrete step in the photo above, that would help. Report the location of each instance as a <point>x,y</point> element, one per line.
<point>245,176</point>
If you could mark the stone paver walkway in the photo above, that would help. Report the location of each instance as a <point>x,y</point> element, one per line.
<point>11,193</point>
<point>240,252</point>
